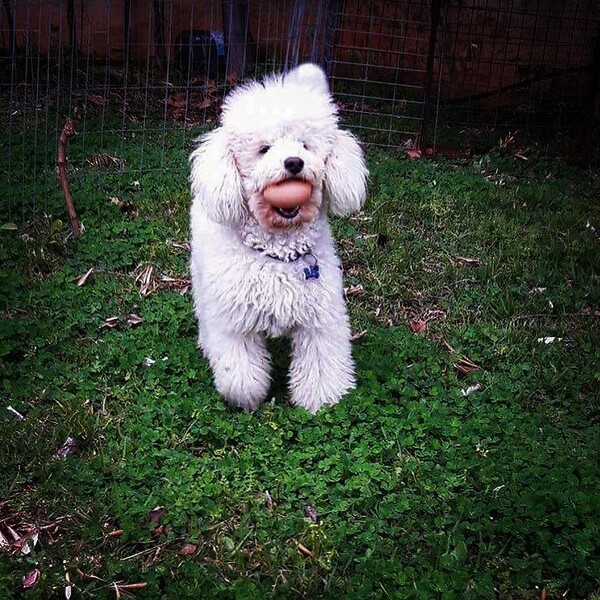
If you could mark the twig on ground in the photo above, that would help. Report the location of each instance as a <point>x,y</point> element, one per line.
<point>67,133</point>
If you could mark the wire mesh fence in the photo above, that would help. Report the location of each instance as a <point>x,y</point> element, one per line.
<point>142,79</point>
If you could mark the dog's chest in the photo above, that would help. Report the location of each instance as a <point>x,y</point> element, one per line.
<point>272,297</point>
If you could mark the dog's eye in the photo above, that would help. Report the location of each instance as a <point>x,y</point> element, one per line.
<point>264,149</point>
<point>305,146</point>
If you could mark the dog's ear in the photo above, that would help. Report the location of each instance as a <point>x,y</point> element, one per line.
<point>309,75</point>
<point>345,185</point>
<point>215,179</point>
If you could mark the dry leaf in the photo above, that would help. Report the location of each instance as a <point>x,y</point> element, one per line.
<point>355,290</point>
<point>268,500</point>
<point>110,322</point>
<point>115,533</point>
<point>31,579</point>
<point>104,160</point>
<point>414,154</point>
<point>181,246</point>
<point>97,100</point>
<point>418,326</point>
<point>162,530</point>
<point>69,447</point>
<point>549,340</point>
<point>465,261</point>
<point>303,549</point>
<point>156,514</point>
<point>147,286</point>
<point>133,319</point>
<point>358,336</point>
<point>470,390</point>
<point>83,279</point>
<point>188,549</point>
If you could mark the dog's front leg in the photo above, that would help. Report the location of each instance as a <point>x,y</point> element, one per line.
<point>240,365</point>
<point>322,369</point>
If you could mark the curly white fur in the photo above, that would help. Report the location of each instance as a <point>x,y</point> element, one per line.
<point>248,262</point>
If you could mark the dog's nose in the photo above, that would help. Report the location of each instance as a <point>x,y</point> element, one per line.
<point>293,164</point>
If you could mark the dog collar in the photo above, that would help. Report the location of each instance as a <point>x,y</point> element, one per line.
<point>309,272</point>
<point>284,248</point>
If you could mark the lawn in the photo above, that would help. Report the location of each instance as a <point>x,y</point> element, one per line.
<point>464,465</point>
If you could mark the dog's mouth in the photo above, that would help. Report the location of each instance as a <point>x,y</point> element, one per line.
<point>287,213</point>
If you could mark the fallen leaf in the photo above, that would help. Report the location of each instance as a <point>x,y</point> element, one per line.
<point>83,279</point>
<point>115,533</point>
<point>156,514</point>
<point>162,530</point>
<point>133,319</point>
<point>202,104</point>
<point>470,390</point>
<point>104,160</point>
<point>358,336</point>
<point>181,246</point>
<point>465,261</point>
<point>69,447</point>
<point>97,100</point>
<point>268,500</point>
<point>31,579</point>
<point>188,549</point>
<point>303,549</point>
<point>175,284</point>
<point>549,340</point>
<point>413,154</point>
<point>110,322</point>
<point>418,326</point>
<point>355,290</point>
<point>147,285</point>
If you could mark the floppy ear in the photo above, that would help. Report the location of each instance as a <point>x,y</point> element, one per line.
<point>346,173</point>
<point>216,182</point>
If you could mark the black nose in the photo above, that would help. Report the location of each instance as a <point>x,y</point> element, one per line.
<point>293,164</point>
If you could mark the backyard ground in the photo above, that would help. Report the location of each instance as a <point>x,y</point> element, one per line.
<point>464,465</point>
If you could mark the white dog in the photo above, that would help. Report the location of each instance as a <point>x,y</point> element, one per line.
<point>263,268</point>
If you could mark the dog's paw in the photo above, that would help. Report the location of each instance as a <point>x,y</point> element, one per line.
<point>315,395</point>
<point>245,388</point>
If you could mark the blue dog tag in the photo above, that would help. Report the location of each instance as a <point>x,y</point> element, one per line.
<point>311,272</point>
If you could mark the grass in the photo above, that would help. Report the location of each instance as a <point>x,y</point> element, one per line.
<point>408,488</point>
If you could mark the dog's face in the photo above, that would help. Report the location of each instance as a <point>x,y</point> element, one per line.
<point>280,152</point>
<point>285,128</point>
